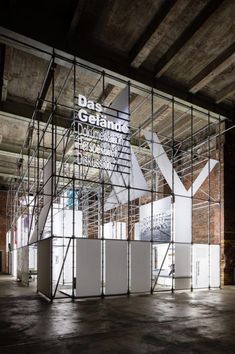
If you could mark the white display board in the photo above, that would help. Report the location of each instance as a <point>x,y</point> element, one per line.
<point>155,220</point>
<point>182,266</point>
<point>25,264</point>
<point>116,267</point>
<point>214,266</point>
<point>32,257</point>
<point>67,275</point>
<point>14,263</point>
<point>114,230</point>
<point>44,266</point>
<point>140,266</point>
<point>68,223</point>
<point>200,266</point>
<point>183,219</point>
<point>57,258</point>
<point>88,267</point>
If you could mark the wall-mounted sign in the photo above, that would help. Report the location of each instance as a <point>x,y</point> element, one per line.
<point>101,140</point>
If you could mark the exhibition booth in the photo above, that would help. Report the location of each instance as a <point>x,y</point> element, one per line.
<point>118,199</point>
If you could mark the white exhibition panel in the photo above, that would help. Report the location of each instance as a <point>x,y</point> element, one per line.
<point>32,257</point>
<point>57,220</point>
<point>57,258</point>
<point>116,276</point>
<point>214,266</point>
<point>114,230</point>
<point>200,266</point>
<point>140,266</point>
<point>183,219</point>
<point>39,227</point>
<point>25,264</point>
<point>68,223</point>
<point>44,266</point>
<point>155,220</point>
<point>88,267</point>
<point>182,266</point>
<point>137,231</point>
<point>68,265</point>
<point>14,262</point>
<point>135,178</point>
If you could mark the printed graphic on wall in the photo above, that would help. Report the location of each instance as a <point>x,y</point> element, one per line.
<point>155,220</point>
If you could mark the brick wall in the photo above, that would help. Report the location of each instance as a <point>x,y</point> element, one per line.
<point>229,207</point>
<point>3,224</point>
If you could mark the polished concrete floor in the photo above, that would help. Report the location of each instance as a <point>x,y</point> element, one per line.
<point>198,322</point>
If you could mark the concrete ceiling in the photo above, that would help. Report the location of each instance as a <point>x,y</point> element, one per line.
<point>185,48</point>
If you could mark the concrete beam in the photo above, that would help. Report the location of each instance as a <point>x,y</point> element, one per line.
<point>154,32</point>
<point>225,92</point>
<point>167,59</point>
<point>216,67</point>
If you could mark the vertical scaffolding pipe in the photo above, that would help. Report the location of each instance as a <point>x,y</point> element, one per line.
<point>192,198</point>
<point>173,191</point>
<point>53,169</point>
<point>209,200</point>
<point>152,191</point>
<point>73,196</point>
<point>129,205</point>
<point>220,194</point>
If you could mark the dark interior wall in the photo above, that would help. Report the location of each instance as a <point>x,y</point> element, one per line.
<point>229,207</point>
<point>3,226</point>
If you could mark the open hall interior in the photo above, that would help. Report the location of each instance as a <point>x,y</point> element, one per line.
<point>116,176</point>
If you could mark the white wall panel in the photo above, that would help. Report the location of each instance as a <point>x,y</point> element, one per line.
<point>200,266</point>
<point>214,265</point>
<point>183,219</point>
<point>140,272</point>
<point>68,223</point>
<point>116,267</point>
<point>88,267</point>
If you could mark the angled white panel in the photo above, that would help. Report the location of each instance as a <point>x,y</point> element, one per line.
<point>202,176</point>
<point>183,219</point>
<point>140,267</point>
<point>116,267</point>
<point>200,266</point>
<point>164,163</point>
<point>88,267</point>
<point>137,180</point>
<point>120,180</point>
<point>214,266</point>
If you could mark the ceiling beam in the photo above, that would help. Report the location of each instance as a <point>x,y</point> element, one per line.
<point>46,84</point>
<point>152,35</point>
<point>166,60</point>
<point>213,69</point>
<point>2,64</point>
<point>116,68</point>
<point>225,92</point>
<point>76,17</point>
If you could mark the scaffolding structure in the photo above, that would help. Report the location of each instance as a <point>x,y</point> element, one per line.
<point>63,200</point>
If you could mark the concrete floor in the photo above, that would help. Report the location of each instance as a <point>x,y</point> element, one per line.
<point>198,322</point>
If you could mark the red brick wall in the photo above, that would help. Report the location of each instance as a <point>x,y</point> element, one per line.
<point>3,225</point>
